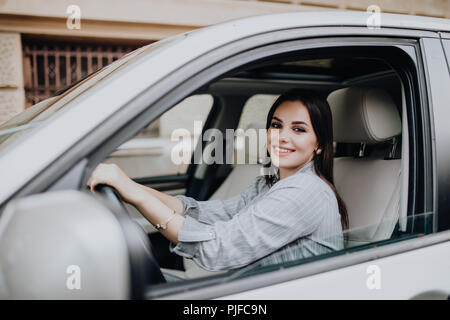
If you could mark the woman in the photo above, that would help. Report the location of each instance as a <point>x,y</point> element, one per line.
<point>296,212</point>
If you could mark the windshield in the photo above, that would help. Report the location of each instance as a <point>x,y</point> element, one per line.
<point>36,115</point>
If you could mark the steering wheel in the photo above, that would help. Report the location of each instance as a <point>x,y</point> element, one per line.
<point>144,267</point>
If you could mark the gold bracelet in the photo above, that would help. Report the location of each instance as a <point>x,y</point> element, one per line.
<point>164,225</point>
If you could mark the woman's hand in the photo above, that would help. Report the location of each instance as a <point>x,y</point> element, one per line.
<point>155,206</point>
<point>113,176</point>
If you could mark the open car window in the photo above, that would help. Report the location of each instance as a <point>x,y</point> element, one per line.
<point>150,153</point>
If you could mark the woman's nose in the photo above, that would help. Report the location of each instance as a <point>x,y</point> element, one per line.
<point>279,136</point>
<point>283,135</point>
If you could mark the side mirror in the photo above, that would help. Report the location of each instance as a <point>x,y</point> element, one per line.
<point>62,245</point>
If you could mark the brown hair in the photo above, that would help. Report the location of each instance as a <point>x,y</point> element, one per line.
<point>321,120</point>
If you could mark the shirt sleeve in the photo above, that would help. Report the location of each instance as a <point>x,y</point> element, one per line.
<point>211,211</point>
<point>288,211</point>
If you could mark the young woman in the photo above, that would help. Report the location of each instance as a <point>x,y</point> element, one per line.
<point>295,213</point>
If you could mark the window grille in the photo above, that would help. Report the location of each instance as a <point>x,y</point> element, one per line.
<point>51,67</point>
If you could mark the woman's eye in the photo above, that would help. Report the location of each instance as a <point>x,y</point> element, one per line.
<point>275,125</point>
<point>299,130</point>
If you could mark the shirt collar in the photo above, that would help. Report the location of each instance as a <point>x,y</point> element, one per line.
<point>309,167</point>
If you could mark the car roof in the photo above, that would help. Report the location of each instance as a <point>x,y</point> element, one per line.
<point>271,22</point>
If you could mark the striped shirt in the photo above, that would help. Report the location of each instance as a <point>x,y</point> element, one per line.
<point>297,217</point>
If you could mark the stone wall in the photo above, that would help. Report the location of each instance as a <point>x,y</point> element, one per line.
<point>12,95</point>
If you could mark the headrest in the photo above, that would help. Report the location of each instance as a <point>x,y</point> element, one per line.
<point>366,115</point>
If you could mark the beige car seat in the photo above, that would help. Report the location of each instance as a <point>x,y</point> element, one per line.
<point>370,186</point>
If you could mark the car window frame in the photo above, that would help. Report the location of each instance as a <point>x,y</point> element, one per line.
<point>215,286</point>
<point>238,286</point>
<point>198,68</point>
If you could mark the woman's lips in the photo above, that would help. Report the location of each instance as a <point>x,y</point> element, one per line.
<point>281,153</point>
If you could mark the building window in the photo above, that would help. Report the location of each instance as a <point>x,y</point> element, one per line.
<point>52,66</point>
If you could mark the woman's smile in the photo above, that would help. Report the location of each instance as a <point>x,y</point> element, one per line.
<point>282,151</point>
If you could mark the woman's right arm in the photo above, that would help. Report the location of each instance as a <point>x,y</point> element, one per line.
<point>130,191</point>
<point>170,201</point>
<point>209,211</point>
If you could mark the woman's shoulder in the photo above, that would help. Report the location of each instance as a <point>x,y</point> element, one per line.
<point>305,181</point>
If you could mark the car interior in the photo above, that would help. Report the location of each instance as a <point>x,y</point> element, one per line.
<point>371,156</point>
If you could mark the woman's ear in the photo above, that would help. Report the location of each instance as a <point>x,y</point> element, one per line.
<point>318,150</point>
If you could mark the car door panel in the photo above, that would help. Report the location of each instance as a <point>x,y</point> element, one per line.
<point>409,275</point>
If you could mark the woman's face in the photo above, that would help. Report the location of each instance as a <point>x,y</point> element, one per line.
<point>291,140</point>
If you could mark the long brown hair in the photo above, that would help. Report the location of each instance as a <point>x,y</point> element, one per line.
<point>321,120</point>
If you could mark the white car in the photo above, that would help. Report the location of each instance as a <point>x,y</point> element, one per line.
<point>59,240</point>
